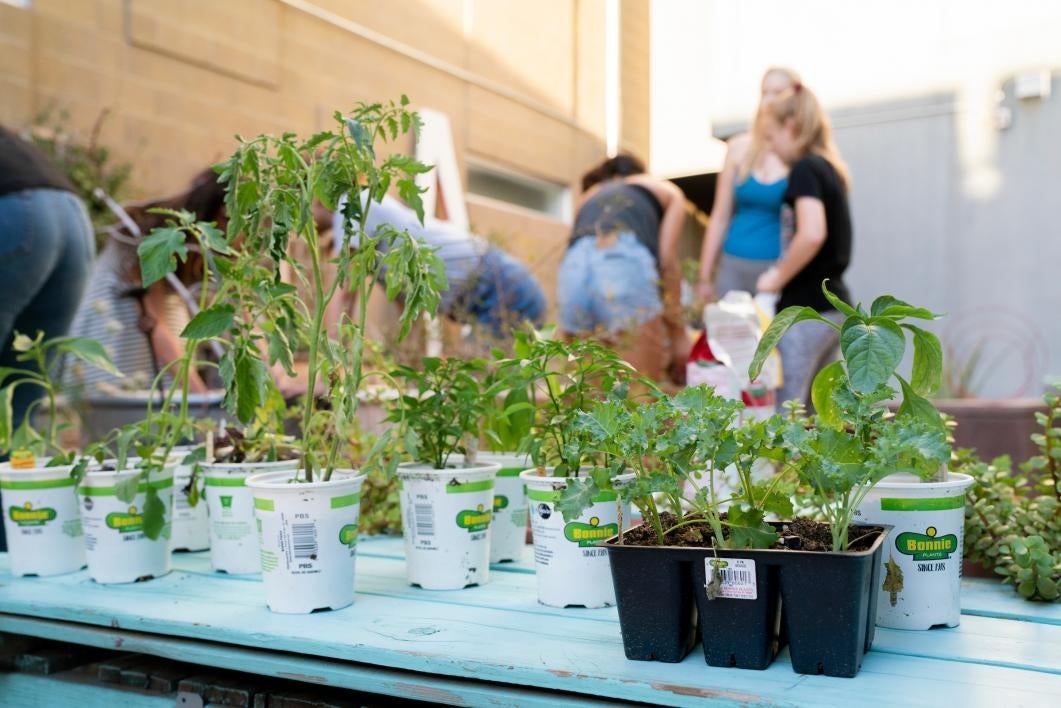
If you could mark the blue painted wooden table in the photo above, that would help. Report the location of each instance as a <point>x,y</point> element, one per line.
<point>495,645</point>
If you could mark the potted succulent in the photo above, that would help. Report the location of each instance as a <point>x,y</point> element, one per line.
<point>506,424</point>
<point>568,519</point>
<point>308,519</point>
<point>40,507</point>
<point>853,444</point>
<point>447,495</point>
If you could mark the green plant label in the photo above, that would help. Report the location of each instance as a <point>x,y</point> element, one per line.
<point>500,502</point>
<point>926,546</point>
<point>474,520</point>
<point>26,515</point>
<point>589,534</point>
<point>348,535</point>
<point>125,522</point>
<point>226,501</point>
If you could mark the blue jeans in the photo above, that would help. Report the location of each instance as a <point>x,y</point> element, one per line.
<point>46,251</point>
<point>503,295</point>
<point>612,287</point>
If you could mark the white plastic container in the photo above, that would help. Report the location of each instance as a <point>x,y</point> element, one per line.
<point>41,519</point>
<point>115,544</point>
<point>446,517</point>
<point>925,547</point>
<point>571,570</point>
<point>233,533</point>
<point>508,528</point>
<point>308,539</point>
<point>191,530</point>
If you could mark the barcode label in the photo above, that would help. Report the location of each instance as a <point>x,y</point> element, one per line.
<point>424,518</point>
<point>304,540</point>
<point>731,577</point>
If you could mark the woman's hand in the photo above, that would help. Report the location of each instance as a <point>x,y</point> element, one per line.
<point>705,291</point>
<point>770,281</point>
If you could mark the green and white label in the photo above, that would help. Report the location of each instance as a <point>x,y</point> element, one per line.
<point>26,515</point>
<point>589,534</point>
<point>927,545</point>
<point>473,520</point>
<point>125,521</point>
<point>348,535</point>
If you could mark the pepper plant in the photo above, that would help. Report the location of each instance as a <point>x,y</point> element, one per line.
<point>509,420</point>
<point>853,441</point>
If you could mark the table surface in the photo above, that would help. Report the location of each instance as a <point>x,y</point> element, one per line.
<point>495,645</point>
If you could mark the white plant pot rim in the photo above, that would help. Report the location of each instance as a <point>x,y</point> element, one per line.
<point>906,481</point>
<point>420,469</point>
<point>281,481</point>
<point>532,477</point>
<point>34,473</point>
<point>494,456</point>
<point>271,465</point>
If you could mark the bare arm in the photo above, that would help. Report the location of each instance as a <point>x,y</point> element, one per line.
<point>721,214</point>
<point>806,242</point>
<point>167,344</point>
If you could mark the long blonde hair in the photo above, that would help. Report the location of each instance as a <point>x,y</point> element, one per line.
<point>757,148</point>
<point>814,134</point>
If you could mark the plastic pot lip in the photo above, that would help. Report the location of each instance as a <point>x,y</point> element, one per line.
<point>35,473</point>
<point>612,544</point>
<point>518,458</point>
<point>282,481</point>
<point>557,484</point>
<point>956,481</point>
<point>408,470</point>
<point>270,466</point>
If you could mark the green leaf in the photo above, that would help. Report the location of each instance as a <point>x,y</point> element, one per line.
<point>888,306</point>
<point>823,391</point>
<point>928,361</point>
<point>747,528</point>
<point>837,302</point>
<point>872,350</point>
<point>89,351</point>
<point>154,514</point>
<point>125,488</point>
<point>918,408</point>
<point>247,382</point>
<point>211,322</point>
<point>159,252</point>
<point>778,326</point>
<point>1047,588</point>
<point>576,497</point>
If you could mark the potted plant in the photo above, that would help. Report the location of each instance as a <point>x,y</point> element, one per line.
<point>853,444</point>
<point>308,519</point>
<point>40,508</point>
<point>506,424</point>
<point>567,519</point>
<point>231,458</point>
<point>447,495</point>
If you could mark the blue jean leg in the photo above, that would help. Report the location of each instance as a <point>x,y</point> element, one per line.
<point>46,251</point>
<point>505,294</point>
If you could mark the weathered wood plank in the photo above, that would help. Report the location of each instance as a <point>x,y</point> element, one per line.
<point>28,691</point>
<point>990,598</point>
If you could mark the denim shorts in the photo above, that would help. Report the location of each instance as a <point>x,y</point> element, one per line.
<point>611,288</point>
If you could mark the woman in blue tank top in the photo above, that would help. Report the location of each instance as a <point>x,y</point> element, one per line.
<point>743,238</point>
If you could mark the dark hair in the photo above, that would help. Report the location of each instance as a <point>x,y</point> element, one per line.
<point>206,197</point>
<point>621,165</point>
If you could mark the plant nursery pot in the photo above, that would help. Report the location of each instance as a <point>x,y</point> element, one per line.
<point>572,570</point>
<point>191,529</point>
<point>921,567</point>
<point>308,539</point>
<point>446,519</point>
<point>653,594</point>
<point>508,528</point>
<point>42,520</point>
<point>234,545</point>
<point>829,603</point>
<point>115,544</point>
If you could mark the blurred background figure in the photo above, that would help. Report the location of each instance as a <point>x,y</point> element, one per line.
<point>619,280</point>
<point>46,248</point>
<point>743,238</point>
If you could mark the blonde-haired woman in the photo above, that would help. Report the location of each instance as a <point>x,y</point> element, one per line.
<point>743,238</point>
<point>798,132</point>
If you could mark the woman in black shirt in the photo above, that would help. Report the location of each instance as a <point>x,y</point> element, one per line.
<point>798,132</point>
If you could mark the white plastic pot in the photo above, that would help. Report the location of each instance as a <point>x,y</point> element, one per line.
<point>233,533</point>
<point>446,517</point>
<point>308,539</point>
<point>925,547</point>
<point>191,530</point>
<point>508,528</point>
<point>571,570</point>
<point>42,521</point>
<point>115,544</point>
